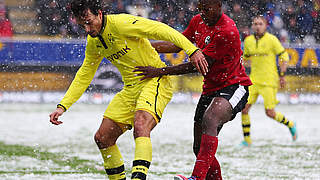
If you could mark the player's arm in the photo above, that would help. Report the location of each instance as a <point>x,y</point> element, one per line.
<point>280,51</point>
<point>283,59</point>
<point>246,55</point>
<point>283,62</point>
<point>185,68</point>
<point>145,28</point>
<point>165,47</point>
<point>283,70</point>
<point>151,72</point>
<point>80,83</point>
<point>169,47</point>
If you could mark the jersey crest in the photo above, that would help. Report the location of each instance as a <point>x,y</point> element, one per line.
<point>207,40</point>
<point>110,38</point>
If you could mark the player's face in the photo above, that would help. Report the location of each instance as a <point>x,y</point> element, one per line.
<point>259,26</point>
<point>91,23</point>
<point>209,11</point>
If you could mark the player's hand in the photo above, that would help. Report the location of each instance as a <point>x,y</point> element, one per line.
<point>147,72</point>
<point>282,82</point>
<point>55,115</point>
<point>199,61</point>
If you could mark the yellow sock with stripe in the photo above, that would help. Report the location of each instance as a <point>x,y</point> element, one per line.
<point>281,119</point>
<point>246,127</point>
<point>113,163</point>
<point>142,159</point>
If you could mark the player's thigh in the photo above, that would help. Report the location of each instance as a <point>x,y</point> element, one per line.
<point>203,104</point>
<point>218,113</point>
<point>253,94</point>
<point>121,109</point>
<point>154,96</point>
<point>237,96</point>
<point>269,95</point>
<point>234,95</point>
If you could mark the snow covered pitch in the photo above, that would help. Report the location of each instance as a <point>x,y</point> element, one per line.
<point>32,148</point>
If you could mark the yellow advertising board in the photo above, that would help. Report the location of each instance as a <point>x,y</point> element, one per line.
<point>34,81</point>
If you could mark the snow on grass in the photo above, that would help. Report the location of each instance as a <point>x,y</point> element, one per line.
<point>32,148</point>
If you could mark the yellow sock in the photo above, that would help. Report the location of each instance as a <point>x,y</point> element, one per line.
<point>246,127</point>
<point>113,163</point>
<point>142,159</point>
<point>281,119</point>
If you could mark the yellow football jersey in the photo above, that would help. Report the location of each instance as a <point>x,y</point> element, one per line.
<point>262,54</point>
<point>123,40</point>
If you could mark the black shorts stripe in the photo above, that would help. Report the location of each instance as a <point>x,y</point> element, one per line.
<point>246,134</point>
<point>141,163</point>
<point>116,170</point>
<point>139,175</point>
<point>156,98</point>
<point>245,125</point>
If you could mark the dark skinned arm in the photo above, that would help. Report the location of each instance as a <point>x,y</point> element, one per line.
<point>168,47</point>
<point>185,68</point>
<point>165,47</point>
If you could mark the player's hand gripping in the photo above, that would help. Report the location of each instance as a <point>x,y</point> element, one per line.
<point>147,72</point>
<point>282,82</point>
<point>55,115</point>
<point>199,61</point>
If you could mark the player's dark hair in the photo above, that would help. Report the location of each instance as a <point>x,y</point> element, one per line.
<point>79,7</point>
<point>260,17</point>
<point>212,1</point>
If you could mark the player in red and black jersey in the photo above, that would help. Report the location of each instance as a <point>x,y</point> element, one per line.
<point>225,87</point>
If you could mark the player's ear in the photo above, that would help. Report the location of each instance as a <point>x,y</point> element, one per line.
<point>100,14</point>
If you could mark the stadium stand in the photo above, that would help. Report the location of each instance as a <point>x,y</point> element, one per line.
<point>23,16</point>
<point>292,21</point>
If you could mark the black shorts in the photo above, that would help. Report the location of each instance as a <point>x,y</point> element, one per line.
<point>236,94</point>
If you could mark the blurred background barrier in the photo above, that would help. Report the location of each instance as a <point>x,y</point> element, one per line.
<point>31,65</point>
<point>71,52</point>
<point>41,52</point>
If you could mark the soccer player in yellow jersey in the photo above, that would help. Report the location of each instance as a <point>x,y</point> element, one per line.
<point>260,52</point>
<point>123,40</point>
